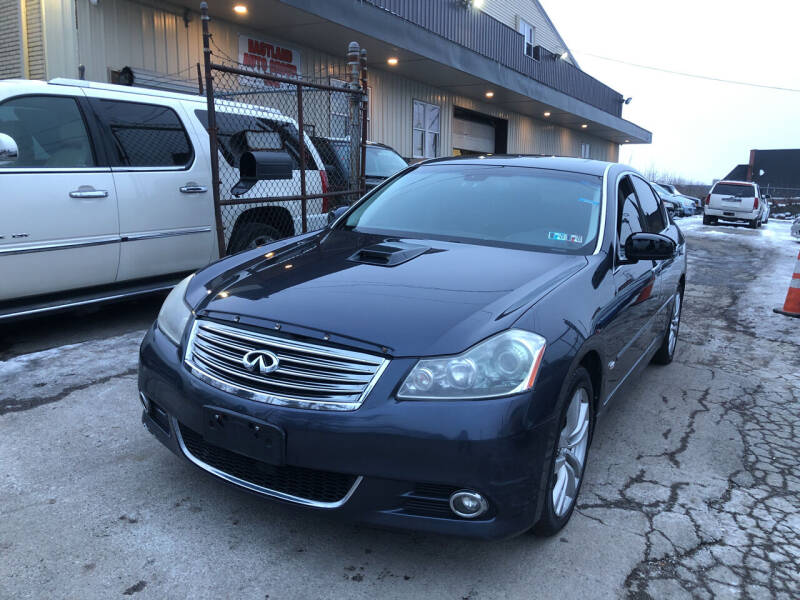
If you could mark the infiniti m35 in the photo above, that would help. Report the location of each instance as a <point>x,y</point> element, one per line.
<point>436,358</point>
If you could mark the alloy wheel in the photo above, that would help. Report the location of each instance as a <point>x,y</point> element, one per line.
<point>674,322</point>
<point>573,444</point>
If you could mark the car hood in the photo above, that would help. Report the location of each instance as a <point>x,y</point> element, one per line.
<point>443,299</point>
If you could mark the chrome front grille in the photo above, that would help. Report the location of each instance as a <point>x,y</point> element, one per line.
<point>307,375</point>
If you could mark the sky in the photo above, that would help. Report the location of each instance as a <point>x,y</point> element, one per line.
<point>701,129</point>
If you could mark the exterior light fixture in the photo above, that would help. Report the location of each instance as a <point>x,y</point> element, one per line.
<point>627,141</point>
<point>490,94</point>
<point>584,126</point>
<point>477,4</point>
<point>564,55</point>
<point>240,9</point>
<point>547,113</point>
<point>392,61</point>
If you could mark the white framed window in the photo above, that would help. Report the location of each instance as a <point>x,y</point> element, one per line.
<point>586,150</point>
<point>426,127</point>
<point>528,31</point>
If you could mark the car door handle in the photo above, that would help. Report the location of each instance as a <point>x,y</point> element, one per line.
<point>193,189</point>
<point>83,193</point>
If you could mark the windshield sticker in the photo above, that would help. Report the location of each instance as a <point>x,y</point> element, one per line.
<point>563,237</point>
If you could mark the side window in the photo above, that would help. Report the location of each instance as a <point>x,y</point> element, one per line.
<point>654,216</point>
<point>240,133</point>
<point>145,135</point>
<point>49,131</point>
<point>629,220</point>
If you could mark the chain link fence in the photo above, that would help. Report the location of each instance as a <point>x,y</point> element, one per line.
<point>285,150</point>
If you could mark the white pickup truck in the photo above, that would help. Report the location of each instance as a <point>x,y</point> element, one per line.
<point>106,190</point>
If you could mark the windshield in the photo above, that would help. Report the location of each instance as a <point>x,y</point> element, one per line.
<point>522,207</point>
<point>739,190</point>
<point>383,162</point>
<point>661,188</point>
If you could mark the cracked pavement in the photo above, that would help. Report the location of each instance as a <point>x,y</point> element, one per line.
<point>692,488</point>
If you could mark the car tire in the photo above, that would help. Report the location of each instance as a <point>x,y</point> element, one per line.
<point>252,235</point>
<point>666,352</point>
<point>753,224</point>
<point>570,453</point>
<point>707,220</point>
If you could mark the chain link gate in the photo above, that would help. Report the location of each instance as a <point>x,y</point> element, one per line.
<point>250,111</point>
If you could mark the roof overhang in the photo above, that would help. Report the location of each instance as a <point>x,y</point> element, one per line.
<point>425,57</point>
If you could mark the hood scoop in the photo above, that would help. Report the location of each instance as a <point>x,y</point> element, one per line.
<point>388,253</point>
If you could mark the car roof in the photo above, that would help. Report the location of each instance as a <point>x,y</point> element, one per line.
<point>556,163</point>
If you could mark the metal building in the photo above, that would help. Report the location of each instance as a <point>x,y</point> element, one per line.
<point>446,76</point>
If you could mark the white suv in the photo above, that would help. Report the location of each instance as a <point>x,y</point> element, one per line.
<point>106,190</point>
<point>734,201</point>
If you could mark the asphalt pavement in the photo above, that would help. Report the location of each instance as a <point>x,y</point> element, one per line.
<point>691,491</point>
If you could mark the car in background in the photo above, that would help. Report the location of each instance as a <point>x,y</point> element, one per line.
<point>766,208</point>
<point>433,360</point>
<point>698,204</point>
<point>734,201</point>
<point>796,228</point>
<point>681,207</point>
<point>107,189</point>
<point>382,162</point>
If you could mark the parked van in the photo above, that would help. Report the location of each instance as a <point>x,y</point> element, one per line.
<point>106,189</point>
<point>734,201</point>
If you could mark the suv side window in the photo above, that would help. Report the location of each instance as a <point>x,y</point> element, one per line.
<point>240,133</point>
<point>144,135</point>
<point>629,219</point>
<point>49,131</point>
<point>650,205</point>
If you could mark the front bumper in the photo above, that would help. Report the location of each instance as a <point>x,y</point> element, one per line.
<point>402,457</point>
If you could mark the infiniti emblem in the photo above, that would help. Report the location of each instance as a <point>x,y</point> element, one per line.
<point>263,361</point>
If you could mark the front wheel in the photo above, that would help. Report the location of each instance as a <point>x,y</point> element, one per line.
<point>666,351</point>
<point>569,456</point>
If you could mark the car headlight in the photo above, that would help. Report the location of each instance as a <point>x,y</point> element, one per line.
<point>504,364</point>
<point>175,313</point>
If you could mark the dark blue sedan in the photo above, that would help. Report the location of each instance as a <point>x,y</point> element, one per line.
<point>436,359</point>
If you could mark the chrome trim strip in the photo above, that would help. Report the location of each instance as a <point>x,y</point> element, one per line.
<point>257,488</point>
<point>50,246</point>
<point>601,233</point>
<point>360,358</point>
<point>35,311</point>
<point>164,233</point>
<point>100,240</point>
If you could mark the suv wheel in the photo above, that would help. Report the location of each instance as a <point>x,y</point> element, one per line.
<point>753,224</point>
<point>252,235</point>
<point>571,450</point>
<point>707,220</point>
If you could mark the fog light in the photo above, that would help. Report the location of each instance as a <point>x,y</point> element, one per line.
<point>468,504</point>
<point>145,402</point>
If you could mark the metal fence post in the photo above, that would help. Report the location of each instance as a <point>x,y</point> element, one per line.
<point>212,128</point>
<point>362,183</point>
<point>301,139</point>
<point>354,116</point>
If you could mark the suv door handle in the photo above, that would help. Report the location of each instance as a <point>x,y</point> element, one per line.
<point>193,189</point>
<point>90,193</point>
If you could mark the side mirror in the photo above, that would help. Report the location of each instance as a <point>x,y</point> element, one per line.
<point>260,165</point>
<point>649,246</point>
<point>9,152</point>
<point>336,213</point>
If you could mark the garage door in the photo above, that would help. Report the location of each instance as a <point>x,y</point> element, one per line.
<point>472,136</point>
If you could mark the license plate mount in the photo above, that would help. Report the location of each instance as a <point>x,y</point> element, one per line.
<point>244,435</point>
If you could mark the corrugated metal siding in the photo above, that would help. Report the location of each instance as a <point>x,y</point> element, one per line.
<point>120,32</point>
<point>489,37</point>
<point>11,58</point>
<point>34,40</point>
<point>507,11</point>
